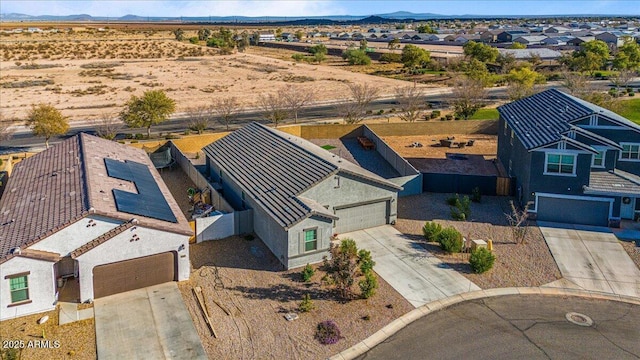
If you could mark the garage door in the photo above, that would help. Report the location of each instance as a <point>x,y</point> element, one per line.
<point>133,274</point>
<point>572,211</point>
<point>361,217</point>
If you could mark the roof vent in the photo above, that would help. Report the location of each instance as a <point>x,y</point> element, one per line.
<point>16,251</point>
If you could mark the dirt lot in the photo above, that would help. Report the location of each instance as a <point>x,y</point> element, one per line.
<point>528,264</point>
<point>486,145</point>
<point>86,79</point>
<point>76,340</point>
<point>246,280</point>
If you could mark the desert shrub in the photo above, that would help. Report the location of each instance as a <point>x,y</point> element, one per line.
<point>476,195</point>
<point>368,285</point>
<point>139,136</point>
<point>391,58</point>
<point>306,304</point>
<point>307,273</point>
<point>430,230</point>
<point>450,240</point>
<point>461,211</point>
<point>435,114</point>
<point>328,332</point>
<point>449,117</point>
<point>194,40</point>
<point>365,261</point>
<point>481,260</point>
<point>453,200</point>
<point>297,57</point>
<point>356,57</point>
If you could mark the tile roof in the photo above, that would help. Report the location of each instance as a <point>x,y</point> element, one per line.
<point>68,181</point>
<point>543,118</point>
<point>613,183</point>
<point>273,167</point>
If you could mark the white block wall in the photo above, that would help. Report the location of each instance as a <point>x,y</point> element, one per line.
<point>72,237</point>
<point>119,248</point>
<point>215,227</point>
<point>41,283</point>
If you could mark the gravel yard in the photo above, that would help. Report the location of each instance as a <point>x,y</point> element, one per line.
<point>251,286</point>
<point>632,250</point>
<point>75,340</point>
<point>528,264</point>
<point>178,183</point>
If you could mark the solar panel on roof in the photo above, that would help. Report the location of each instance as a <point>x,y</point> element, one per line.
<point>149,201</point>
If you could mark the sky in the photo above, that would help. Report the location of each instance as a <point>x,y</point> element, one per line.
<point>316,7</point>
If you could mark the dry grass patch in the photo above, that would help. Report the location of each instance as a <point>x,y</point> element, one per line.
<point>246,280</point>
<point>76,340</point>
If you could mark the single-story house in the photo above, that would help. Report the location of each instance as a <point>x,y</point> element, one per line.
<point>524,54</point>
<point>92,212</point>
<point>575,162</point>
<point>557,40</point>
<point>300,193</point>
<point>509,35</point>
<point>530,39</point>
<point>266,36</point>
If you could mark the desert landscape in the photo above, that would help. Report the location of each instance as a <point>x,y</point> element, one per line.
<point>87,77</point>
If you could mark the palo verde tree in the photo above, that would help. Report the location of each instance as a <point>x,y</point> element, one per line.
<point>480,52</point>
<point>152,108</point>
<point>45,120</point>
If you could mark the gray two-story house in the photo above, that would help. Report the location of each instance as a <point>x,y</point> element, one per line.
<point>573,161</point>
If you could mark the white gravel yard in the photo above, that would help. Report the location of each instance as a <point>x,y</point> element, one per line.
<point>528,264</point>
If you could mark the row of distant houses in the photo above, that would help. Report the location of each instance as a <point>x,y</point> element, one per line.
<point>613,38</point>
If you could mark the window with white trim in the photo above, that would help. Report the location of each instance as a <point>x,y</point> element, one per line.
<point>310,239</point>
<point>19,288</point>
<point>597,161</point>
<point>630,151</point>
<point>560,164</point>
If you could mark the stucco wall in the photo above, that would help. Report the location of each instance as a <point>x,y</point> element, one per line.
<point>118,248</point>
<point>215,227</point>
<point>41,284</point>
<point>351,191</point>
<point>297,256</point>
<point>271,233</point>
<point>72,237</point>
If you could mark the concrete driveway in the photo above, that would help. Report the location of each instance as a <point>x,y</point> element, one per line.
<point>592,258</point>
<point>149,323</point>
<point>415,273</point>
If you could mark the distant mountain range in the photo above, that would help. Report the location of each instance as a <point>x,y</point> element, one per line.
<point>373,19</point>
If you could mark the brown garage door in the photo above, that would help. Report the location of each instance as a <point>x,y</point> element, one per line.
<point>133,274</point>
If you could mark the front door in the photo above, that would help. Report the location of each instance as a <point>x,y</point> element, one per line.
<point>627,208</point>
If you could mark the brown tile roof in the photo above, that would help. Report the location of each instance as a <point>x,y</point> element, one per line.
<point>40,255</point>
<point>67,182</point>
<point>102,238</point>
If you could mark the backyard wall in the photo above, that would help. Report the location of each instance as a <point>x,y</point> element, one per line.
<point>411,179</point>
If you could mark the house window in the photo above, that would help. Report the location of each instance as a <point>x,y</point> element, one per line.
<point>19,288</point>
<point>310,239</point>
<point>630,151</point>
<point>597,161</point>
<point>560,164</point>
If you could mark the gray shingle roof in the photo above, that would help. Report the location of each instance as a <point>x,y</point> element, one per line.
<point>63,184</point>
<point>273,167</point>
<point>613,183</point>
<point>543,118</point>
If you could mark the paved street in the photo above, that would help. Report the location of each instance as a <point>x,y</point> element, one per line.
<point>415,273</point>
<point>519,327</point>
<point>592,259</point>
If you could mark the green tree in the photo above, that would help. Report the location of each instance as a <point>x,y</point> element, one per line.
<point>45,120</point>
<point>426,29</point>
<point>319,52</point>
<point>179,34</point>
<point>628,56</point>
<point>413,56</point>
<point>152,108</point>
<point>363,44</point>
<point>278,33</point>
<point>517,45</point>
<point>299,35</point>
<point>203,34</point>
<point>394,44</point>
<point>477,70</point>
<point>356,57</point>
<point>592,56</point>
<point>522,82</point>
<point>481,52</point>
<point>346,265</point>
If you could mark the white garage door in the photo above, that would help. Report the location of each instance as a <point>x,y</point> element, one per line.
<point>361,217</point>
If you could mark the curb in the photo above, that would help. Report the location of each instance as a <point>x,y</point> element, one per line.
<point>415,314</point>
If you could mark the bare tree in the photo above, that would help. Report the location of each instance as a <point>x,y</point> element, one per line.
<point>467,97</point>
<point>295,98</point>
<point>575,83</point>
<point>200,117</point>
<point>518,222</point>
<point>107,126</point>
<point>411,102</point>
<point>273,106</point>
<point>5,132</point>
<point>227,109</point>
<point>622,79</point>
<point>354,109</point>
